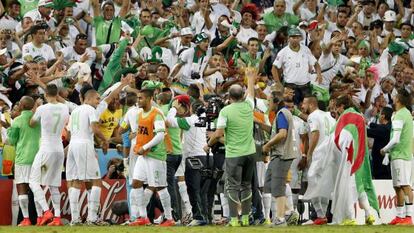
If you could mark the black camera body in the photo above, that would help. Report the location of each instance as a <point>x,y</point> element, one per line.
<point>195,76</point>
<point>206,172</point>
<point>120,167</point>
<point>211,112</point>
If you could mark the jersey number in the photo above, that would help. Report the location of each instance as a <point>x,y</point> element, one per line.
<point>75,121</point>
<point>56,120</point>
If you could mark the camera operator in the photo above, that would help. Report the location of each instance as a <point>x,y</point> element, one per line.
<point>235,122</point>
<point>201,188</point>
<point>115,169</point>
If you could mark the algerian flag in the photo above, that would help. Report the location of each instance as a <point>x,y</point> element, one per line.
<point>340,167</point>
<point>351,140</point>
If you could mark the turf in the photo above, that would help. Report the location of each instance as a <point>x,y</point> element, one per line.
<point>124,229</point>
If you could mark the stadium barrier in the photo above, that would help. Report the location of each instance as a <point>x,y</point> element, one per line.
<point>115,190</point>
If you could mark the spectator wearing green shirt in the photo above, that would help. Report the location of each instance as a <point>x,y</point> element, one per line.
<point>235,122</point>
<point>401,155</point>
<point>253,57</point>
<point>108,26</point>
<point>26,141</point>
<point>278,17</point>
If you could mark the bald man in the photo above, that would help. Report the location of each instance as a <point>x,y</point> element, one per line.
<point>235,123</point>
<point>26,141</point>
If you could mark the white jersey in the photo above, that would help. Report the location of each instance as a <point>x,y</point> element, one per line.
<point>300,128</point>
<point>80,123</point>
<point>30,51</point>
<point>295,65</point>
<point>321,121</point>
<point>131,119</point>
<point>52,119</point>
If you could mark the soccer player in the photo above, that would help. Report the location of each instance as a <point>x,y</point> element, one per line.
<point>401,155</point>
<point>48,163</point>
<point>25,140</point>
<point>82,164</point>
<point>320,124</point>
<point>150,166</point>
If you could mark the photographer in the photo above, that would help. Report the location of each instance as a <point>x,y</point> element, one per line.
<point>201,188</point>
<point>115,169</point>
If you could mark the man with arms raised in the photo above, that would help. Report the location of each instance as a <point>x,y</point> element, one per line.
<point>235,122</point>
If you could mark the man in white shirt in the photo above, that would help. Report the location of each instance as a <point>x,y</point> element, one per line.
<point>79,50</point>
<point>294,62</point>
<point>48,163</point>
<point>193,61</point>
<point>12,18</point>
<point>389,22</point>
<point>42,13</point>
<point>82,164</point>
<point>37,47</point>
<point>320,124</point>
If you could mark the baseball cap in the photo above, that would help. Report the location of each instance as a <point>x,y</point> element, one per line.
<point>389,16</point>
<point>45,3</point>
<point>183,99</point>
<point>294,32</point>
<point>200,37</point>
<point>186,31</point>
<point>39,59</point>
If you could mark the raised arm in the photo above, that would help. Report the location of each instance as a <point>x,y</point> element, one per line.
<point>251,73</point>
<point>124,8</point>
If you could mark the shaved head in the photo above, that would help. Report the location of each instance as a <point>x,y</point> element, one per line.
<point>27,103</point>
<point>236,92</point>
<point>90,93</point>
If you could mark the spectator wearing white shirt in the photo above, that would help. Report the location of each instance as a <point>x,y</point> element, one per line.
<point>389,22</point>
<point>79,51</point>
<point>37,47</point>
<point>204,19</point>
<point>306,9</point>
<point>249,14</point>
<point>294,62</point>
<point>42,13</point>
<point>11,18</point>
<point>367,15</point>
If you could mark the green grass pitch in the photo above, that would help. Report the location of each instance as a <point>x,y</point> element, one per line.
<point>211,229</point>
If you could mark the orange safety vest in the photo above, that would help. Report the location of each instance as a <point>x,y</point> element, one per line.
<point>145,131</point>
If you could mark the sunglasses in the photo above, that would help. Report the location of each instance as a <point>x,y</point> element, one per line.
<point>81,37</point>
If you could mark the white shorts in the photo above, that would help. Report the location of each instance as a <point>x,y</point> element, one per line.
<point>401,172</point>
<point>181,169</point>
<point>22,174</point>
<point>261,173</point>
<point>151,171</point>
<point>132,159</point>
<point>47,168</point>
<point>82,162</point>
